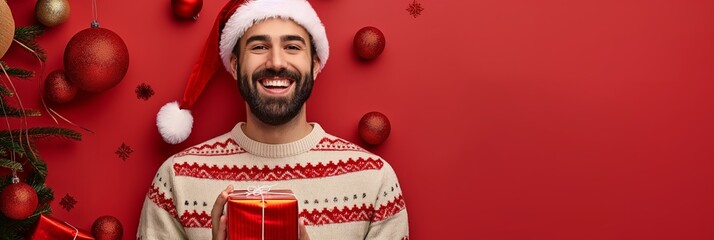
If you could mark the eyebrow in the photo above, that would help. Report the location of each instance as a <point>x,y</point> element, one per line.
<point>266,38</point>
<point>287,38</point>
<point>254,38</point>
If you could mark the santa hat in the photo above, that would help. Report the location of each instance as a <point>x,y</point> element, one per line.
<point>174,120</point>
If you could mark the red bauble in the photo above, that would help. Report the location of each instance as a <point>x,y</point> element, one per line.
<point>96,59</point>
<point>369,43</point>
<point>374,128</point>
<point>18,201</point>
<point>58,89</point>
<point>186,8</point>
<point>107,228</point>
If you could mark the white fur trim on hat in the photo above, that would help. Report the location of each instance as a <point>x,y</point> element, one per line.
<point>254,11</point>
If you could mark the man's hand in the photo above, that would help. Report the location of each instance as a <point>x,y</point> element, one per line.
<point>219,220</point>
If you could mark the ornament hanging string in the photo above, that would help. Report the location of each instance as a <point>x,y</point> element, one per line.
<point>15,179</point>
<point>23,121</point>
<point>95,14</point>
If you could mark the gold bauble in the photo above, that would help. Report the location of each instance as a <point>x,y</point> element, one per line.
<point>7,27</point>
<point>52,12</point>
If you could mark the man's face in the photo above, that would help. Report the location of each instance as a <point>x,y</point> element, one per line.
<point>275,69</point>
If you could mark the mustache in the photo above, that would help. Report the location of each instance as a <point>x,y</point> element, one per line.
<point>270,73</point>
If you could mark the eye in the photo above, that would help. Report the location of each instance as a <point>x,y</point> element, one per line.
<point>293,47</point>
<point>259,47</point>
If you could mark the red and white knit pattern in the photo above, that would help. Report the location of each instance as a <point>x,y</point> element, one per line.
<point>343,191</point>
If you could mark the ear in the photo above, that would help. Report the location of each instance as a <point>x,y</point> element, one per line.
<point>234,64</point>
<point>315,67</point>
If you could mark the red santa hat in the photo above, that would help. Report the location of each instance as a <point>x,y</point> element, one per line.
<point>174,120</point>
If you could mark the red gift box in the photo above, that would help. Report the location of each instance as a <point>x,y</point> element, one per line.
<point>51,228</point>
<point>261,213</point>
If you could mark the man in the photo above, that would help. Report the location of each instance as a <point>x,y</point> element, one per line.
<point>274,49</point>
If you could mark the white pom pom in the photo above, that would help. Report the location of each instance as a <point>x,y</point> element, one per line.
<point>174,123</point>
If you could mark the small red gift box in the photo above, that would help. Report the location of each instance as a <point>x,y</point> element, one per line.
<point>262,214</point>
<point>51,228</point>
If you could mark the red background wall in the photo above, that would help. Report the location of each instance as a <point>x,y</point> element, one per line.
<point>510,119</point>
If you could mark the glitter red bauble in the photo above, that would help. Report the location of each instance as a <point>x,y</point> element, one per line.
<point>107,228</point>
<point>369,43</point>
<point>374,128</point>
<point>96,59</point>
<point>58,89</point>
<point>186,8</point>
<point>18,201</point>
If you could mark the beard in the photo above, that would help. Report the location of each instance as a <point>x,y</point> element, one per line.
<point>276,110</point>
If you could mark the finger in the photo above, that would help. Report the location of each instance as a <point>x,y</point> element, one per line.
<point>222,231</point>
<point>302,231</point>
<point>217,210</point>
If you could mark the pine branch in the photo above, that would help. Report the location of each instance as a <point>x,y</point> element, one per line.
<point>11,111</point>
<point>44,132</point>
<point>44,193</point>
<point>5,92</point>
<point>26,36</point>
<point>29,32</point>
<point>12,165</point>
<point>17,72</point>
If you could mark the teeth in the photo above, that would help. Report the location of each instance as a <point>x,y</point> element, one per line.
<point>276,83</point>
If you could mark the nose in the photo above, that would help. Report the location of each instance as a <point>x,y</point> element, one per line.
<point>276,60</point>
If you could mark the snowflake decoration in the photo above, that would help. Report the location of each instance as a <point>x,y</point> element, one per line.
<point>124,151</point>
<point>144,91</point>
<point>68,202</point>
<point>415,9</point>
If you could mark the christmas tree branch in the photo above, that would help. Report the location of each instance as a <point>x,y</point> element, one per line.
<point>25,36</point>
<point>17,72</point>
<point>12,165</point>
<point>29,32</point>
<point>43,132</point>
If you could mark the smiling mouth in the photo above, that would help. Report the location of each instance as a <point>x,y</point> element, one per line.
<point>276,85</point>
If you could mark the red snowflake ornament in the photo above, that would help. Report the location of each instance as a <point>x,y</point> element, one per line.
<point>124,151</point>
<point>415,9</point>
<point>144,91</point>
<point>68,202</point>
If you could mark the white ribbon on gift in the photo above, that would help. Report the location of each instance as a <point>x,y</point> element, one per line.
<point>76,231</point>
<point>259,191</point>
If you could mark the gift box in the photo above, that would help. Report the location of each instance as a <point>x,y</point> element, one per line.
<point>51,228</point>
<point>260,214</point>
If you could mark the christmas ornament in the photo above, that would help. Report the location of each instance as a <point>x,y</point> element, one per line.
<point>58,89</point>
<point>7,28</point>
<point>96,59</point>
<point>369,43</point>
<point>52,12</point>
<point>107,228</point>
<point>186,8</point>
<point>18,201</point>
<point>374,128</point>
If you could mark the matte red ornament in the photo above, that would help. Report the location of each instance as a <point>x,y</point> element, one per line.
<point>187,8</point>
<point>374,128</point>
<point>369,43</point>
<point>58,88</point>
<point>96,59</point>
<point>107,228</point>
<point>18,201</point>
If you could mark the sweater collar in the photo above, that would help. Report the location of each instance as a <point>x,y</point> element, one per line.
<point>278,150</point>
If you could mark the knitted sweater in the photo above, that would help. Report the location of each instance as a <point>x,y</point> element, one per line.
<point>344,191</point>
